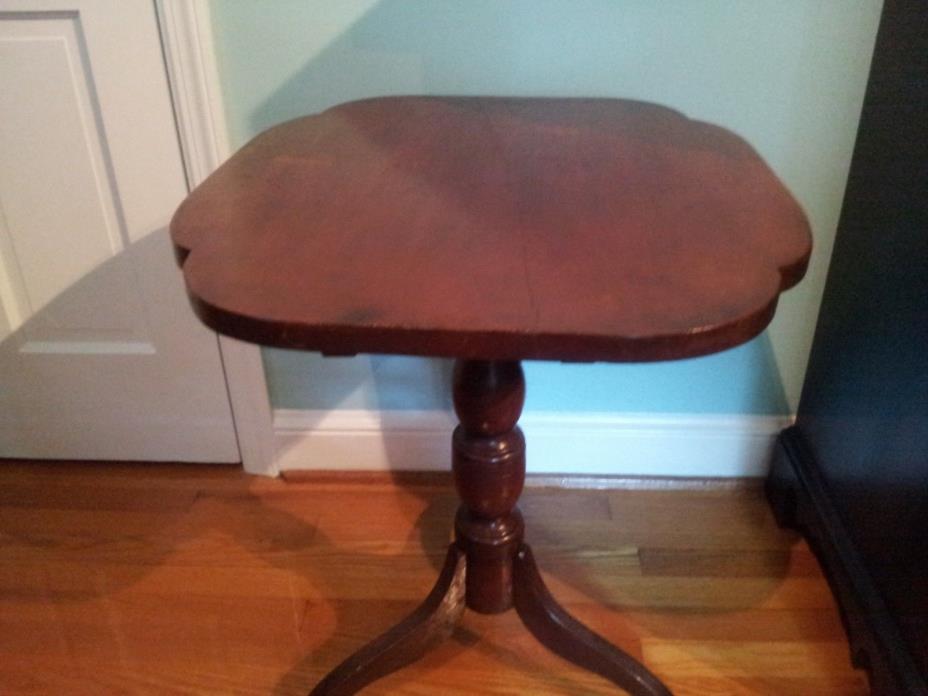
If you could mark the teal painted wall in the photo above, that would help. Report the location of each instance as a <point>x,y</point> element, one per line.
<point>788,76</point>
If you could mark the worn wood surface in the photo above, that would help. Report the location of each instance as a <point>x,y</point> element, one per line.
<point>432,622</point>
<point>570,229</point>
<point>196,580</point>
<point>488,463</point>
<point>496,571</point>
<point>560,632</point>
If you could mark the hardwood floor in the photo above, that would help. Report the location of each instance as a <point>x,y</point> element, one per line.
<point>138,579</point>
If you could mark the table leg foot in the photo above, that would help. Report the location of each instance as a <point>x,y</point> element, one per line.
<point>429,624</point>
<point>565,636</point>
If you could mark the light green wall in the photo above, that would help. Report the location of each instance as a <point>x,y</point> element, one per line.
<point>788,75</point>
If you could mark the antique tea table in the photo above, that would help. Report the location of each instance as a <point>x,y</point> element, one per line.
<point>492,230</point>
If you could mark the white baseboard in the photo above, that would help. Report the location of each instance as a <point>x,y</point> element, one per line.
<point>563,443</point>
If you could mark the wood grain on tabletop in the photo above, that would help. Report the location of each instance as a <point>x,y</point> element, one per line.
<point>493,228</point>
<point>196,580</point>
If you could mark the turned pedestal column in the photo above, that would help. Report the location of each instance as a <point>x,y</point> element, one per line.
<point>488,462</point>
<point>488,567</point>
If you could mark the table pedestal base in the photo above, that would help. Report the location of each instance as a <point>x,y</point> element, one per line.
<point>488,568</point>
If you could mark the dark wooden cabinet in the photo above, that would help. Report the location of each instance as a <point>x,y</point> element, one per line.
<point>852,473</point>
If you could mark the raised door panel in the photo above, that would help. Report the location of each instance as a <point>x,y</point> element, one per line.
<point>61,215</point>
<point>100,356</point>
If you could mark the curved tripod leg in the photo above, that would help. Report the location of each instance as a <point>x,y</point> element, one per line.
<point>564,635</point>
<point>409,640</point>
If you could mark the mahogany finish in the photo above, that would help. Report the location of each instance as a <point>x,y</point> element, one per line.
<point>488,462</point>
<point>562,634</point>
<point>488,556</point>
<point>430,623</point>
<point>494,228</point>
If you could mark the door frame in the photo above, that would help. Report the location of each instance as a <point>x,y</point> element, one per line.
<point>193,78</point>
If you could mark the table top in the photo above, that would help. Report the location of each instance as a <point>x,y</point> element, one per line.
<point>493,228</point>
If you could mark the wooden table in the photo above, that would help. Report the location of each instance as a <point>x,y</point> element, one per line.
<point>492,230</point>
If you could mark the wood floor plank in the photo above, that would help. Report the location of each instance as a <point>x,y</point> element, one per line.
<point>174,579</point>
<point>782,658</point>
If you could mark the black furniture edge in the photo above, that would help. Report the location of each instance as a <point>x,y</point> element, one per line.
<point>800,500</point>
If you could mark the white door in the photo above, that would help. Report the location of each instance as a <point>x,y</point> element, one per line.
<point>100,354</point>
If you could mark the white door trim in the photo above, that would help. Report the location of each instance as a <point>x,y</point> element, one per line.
<point>193,75</point>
